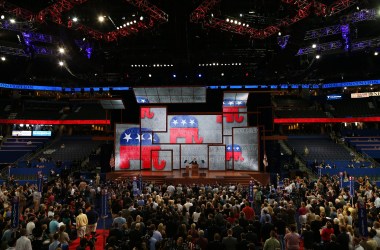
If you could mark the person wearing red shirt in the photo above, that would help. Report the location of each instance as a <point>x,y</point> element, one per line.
<point>302,211</point>
<point>327,232</point>
<point>248,211</point>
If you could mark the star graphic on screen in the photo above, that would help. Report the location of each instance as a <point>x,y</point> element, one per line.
<point>231,103</point>
<point>150,138</point>
<point>143,101</point>
<point>138,137</point>
<point>127,137</point>
<point>142,137</point>
<point>237,148</point>
<point>183,122</point>
<point>224,103</point>
<point>239,102</point>
<point>175,122</point>
<point>192,122</point>
<point>228,148</point>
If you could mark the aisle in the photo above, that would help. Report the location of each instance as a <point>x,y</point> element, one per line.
<point>103,234</point>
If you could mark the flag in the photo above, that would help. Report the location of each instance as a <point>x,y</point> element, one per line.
<point>15,212</point>
<point>184,126</point>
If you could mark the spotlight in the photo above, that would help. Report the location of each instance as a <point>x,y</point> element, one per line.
<point>75,19</point>
<point>357,7</point>
<point>199,75</point>
<point>12,20</point>
<point>3,58</point>
<point>227,20</point>
<point>150,75</point>
<point>247,25</point>
<point>231,21</point>
<point>61,63</point>
<point>239,23</point>
<point>222,74</point>
<point>279,33</point>
<point>61,50</point>
<point>318,56</point>
<point>235,22</point>
<point>243,24</point>
<point>141,18</point>
<point>127,23</point>
<point>212,14</point>
<point>101,19</point>
<point>376,53</point>
<point>124,25</point>
<point>2,17</point>
<point>241,15</point>
<point>314,46</point>
<point>134,21</point>
<point>174,75</point>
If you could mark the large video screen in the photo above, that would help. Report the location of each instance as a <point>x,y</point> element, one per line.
<point>163,142</point>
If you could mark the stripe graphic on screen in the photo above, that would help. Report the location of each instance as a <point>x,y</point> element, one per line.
<point>136,145</point>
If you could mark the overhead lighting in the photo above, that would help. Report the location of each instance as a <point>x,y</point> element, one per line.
<point>376,53</point>
<point>279,33</point>
<point>75,19</point>
<point>3,58</point>
<point>222,74</point>
<point>212,14</point>
<point>231,21</point>
<point>134,21</point>
<point>241,15</point>
<point>150,75</point>
<point>247,25</point>
<point>318,56</point>
<point>174,75</point>
<point>124,25</point>
<point>357,7</point>
<point>239,23</point>
<point>235,22</point>
<point>199,75</point>
<point>2,17</point>
<point>12,20</point>
<point>314,46</point>
<point>101,19</point>
<point>227,20</point>
<point>61,50</point>
<point>141,18</point>
<point>61,63</point>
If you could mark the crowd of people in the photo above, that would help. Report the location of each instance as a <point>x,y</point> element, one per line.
<point>299,213</point>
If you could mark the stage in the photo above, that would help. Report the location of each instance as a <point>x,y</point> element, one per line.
<point>183,177</point>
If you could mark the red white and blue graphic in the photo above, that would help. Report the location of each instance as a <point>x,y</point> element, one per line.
<point>185,126</point>
<point>146,112</point>
<point>231,109</point>
<point>142,100</point>
<point>234,151</point>
<point>138,144</point>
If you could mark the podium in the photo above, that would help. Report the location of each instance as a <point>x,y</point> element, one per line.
<point>194,170</point>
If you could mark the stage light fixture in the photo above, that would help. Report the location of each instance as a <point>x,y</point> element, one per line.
<point>243,24</point>
<point>199,75</point>
<point>2,16</point>
<point>12,20</point>
<point>3,58</point>
<point>235,22</point>
<point>150,75</point>
<point>231,21</point>
<point>222,74</point>
<point>212,14</point>
<point>279,33</point>
<point>141,18</point>
<point>247,25</point>
<point>241,15</point>
<point>239,23</point>
<point>101,19</point>
<point>376,53</point>
<point>117,28</point>
<point>227,20</point>
<point>174,75</point>
<point>75,19</point>
<point>314,46</point>
<point>124,25</point>
<point>61,63</point>
<point>318,56</point>
<point>134,21</point>
<point>61,50</point>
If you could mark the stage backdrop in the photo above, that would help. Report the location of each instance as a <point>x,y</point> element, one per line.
<point>164,142</point>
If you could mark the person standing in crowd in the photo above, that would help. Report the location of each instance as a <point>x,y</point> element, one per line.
<point>81,223</point>
<point>292,239</point>
<point>23,243</point>
<point>93,218</point>
<point>229,242</point>
<point>272,243</point>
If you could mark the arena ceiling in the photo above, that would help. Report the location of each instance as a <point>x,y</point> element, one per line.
<point>171,42</point>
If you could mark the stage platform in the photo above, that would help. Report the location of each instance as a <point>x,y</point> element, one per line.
<point>205,176</point>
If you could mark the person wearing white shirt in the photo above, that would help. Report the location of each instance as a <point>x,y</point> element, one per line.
<point>377,201</point>
<point>30,226</point>
<point>188,204</point>
<point>23,243</point>
<point>170,189</point>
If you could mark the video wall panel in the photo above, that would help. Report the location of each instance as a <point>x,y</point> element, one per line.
<point>217,158</point>
<point>244,149</point>
<point>153,118</point>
